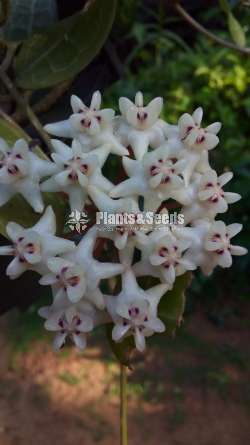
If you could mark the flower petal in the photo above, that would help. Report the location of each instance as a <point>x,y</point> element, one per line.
<point>185,122</point>
<point>16,268</point>
<point>232,197</point>
<point>139,340</point>
<point>225,259</point>
<point>211,140</point>
<point>197,116</point>
<point>234,229</point>
<point>156,325</point>
<point>59,340</point>
<point>80,341</point>
<point>225,178</point>
<point>214,128</point>
<point>238,250</point>
<point>7,250</point>
<point>96,100</point>
<point>77,104</point>
<point>119,330</point>
<point>14,231</point>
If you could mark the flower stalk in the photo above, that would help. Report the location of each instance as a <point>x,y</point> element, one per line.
<point>123,406</point>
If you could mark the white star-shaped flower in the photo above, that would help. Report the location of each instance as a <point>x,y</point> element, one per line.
<point>139,126</point>
<point>196,141</point>
<point>196,137</point>
<point>72,321</point>
<point>20,172</point>
<point>76,171</point>
<point>67,277</point>
<point>155,177</point>
<point>205,197</point>
<point>78,274</point>
<point>33,247</point>
<point>164,256</point>
<point>134,311</point>
<point>92,126</point>
<point>210,244</point>
<point>218,243</point>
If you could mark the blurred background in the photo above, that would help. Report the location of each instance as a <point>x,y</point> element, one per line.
<point>194,387</point>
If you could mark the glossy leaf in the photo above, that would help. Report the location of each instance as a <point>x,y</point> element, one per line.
<point>172,304</point>
<point>27,16</point>
<point>17,209</point>
<point>122,350</point>
<point>66,48</point>
<point>236,30</point>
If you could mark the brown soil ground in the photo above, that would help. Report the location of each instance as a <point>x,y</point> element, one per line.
<point>182,392</point>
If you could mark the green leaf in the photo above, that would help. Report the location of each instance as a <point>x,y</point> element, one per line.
<point>172,304</point>
<point>66,48</point>
<point>236,30</point>
<point>122,350</point>
<point>10,131</point>
<point>27,16</point>
<point>17,209</point>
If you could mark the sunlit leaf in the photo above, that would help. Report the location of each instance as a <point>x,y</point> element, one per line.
<point>172,304</point>
<point>27,16</point>
<point>17,209</point>
<point>122,350</point>
<point>236,30</point>
<point>10,131</point>
<point>66,48</point>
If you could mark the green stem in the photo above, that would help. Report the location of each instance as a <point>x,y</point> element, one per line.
<point>123,406</point>
<point>196,25</point>
<point>20,100</point>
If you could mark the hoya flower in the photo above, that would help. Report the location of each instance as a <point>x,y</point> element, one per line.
<point>218,243</point>
<point>78,274</point>
<point>140,126</point>
<point>210,244</point>
<point>155,177</point>
<point>66,276</point>
<point>196,137</point>
<point>196,142</point>
<point>68,322</point>
<point>205,197</point>
<point>76,171</point>
<point>91,125</point>
<point>164,256</point>
<point>134,311</point>
<point>20,173</point>
<point>33,247</point>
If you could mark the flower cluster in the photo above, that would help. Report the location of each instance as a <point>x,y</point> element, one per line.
<point>161,162</point>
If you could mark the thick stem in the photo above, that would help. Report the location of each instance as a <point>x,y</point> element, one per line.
<point>123,406</point>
